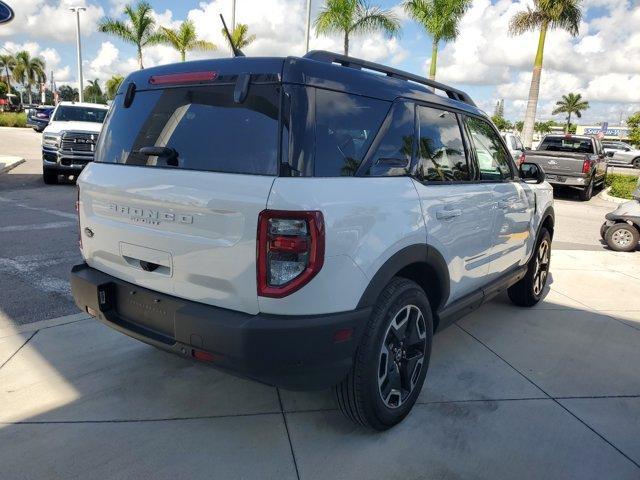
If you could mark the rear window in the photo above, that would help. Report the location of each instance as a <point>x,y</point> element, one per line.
<point>345,127</point>
<point>196,128</point>
<point>567,144</point>
<point>67,113</point>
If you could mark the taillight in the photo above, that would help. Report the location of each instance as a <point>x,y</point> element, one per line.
<point>586,166</point>
<point>181,78</point>
<point>78,216</point>
<point>290,250</point>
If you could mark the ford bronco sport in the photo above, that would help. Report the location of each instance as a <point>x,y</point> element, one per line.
<point>305,222</point>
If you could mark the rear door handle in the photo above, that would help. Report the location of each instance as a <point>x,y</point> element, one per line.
<point>448,214</point>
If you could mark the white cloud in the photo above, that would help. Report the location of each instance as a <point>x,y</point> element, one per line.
<point>52,19</point>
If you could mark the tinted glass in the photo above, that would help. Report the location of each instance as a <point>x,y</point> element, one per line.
<point>345,127</point>
<point>394,145</point>
<point>566,144</point>
<point>441,155</point>
<point>66,113</point>
<point>200,128</point>
<point>493,158</point>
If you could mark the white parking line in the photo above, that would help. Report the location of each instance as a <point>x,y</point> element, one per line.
<point>37,226</point>
<point>27,268</point>
<point>50,211</point>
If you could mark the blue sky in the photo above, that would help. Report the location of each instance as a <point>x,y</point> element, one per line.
<point>602,63</point>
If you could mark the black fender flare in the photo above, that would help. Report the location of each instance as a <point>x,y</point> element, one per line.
<point>549,214</point>
<point>413,254</point>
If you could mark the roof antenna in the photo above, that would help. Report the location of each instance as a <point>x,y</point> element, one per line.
<point>236,51</point>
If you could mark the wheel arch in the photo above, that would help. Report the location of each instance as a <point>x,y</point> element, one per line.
<point>548,220</point>
<point>423,264</point>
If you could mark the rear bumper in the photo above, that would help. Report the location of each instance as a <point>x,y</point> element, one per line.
<point>293,352</point>
<point>568,180</point>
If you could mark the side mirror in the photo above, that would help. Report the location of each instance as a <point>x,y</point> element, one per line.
<point>532,173</point>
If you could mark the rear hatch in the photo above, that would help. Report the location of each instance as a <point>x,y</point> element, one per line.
<point>183,168</point>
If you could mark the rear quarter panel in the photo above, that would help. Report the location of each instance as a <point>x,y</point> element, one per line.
<point>367,220</point>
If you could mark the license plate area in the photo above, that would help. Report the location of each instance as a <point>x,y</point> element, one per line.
<point>146,309</point>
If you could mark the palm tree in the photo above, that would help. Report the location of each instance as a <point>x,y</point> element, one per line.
<point>355,16</point>
<point>546,14</point>
<point>571,103</point>
<point>112,85</point>
<point>29,71</point>
<point>185,39</point>
<point>8,63</point>
<point>240,37</point>
<point>93,90</point>
<point>440,18</point>
<point>140,29</point>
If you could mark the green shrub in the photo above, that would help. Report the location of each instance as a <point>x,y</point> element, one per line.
<point>621,185</point>
<point>11,119</point>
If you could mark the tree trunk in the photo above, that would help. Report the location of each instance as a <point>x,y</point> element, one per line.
<point>8,80</point>
<point>183,55</point>
<point>534,91</point>
<point>140,58</point>
<point>568,123</point>
<point>30,95</point>
<point>434,60</point>
<point>346,43</point>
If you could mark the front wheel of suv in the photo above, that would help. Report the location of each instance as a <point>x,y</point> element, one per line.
<point>392,358</point>
<point>528,291</point>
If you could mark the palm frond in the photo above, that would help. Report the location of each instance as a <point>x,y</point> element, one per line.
<point>117,28</point>
<point>372,19</point>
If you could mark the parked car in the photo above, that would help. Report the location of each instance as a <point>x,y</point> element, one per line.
<point>304,223</point>
<point>575,161</point>
<point>621,229</point>
<point>69,140</point>
<point>515,146</point>
<point>622,154</point>
<point>38,117</point>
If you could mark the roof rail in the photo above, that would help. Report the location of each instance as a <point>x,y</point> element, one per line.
<point>330,57</point>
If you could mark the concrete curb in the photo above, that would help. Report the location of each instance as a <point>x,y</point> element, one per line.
<point>10,163</point>
<point>604,195</point>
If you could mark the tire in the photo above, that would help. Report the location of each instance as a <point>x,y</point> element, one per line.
<point>622,237</point>
<point>50,176</point>
<point>636,163</point>
<point>528,291</point>
<point>603,231</point>
<point>366,395</point>
<point>587,192</point>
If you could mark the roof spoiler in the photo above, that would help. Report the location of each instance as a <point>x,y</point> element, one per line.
<point>336,58</point>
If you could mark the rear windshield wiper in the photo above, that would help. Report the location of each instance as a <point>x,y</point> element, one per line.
<point>169,154</point>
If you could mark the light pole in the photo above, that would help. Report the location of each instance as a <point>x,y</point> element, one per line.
<point>308,25</point>
<point>233,16</point>
<point>77,11</point>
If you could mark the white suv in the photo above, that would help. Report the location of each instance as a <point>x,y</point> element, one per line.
<point>305,222</point>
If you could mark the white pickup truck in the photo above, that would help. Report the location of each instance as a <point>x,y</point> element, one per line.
<point>69,141</point>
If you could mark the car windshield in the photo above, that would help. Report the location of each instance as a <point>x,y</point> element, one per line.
<point>80,114</point>
<point>567,144</point>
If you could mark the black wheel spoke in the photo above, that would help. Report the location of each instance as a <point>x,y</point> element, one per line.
<point>408,370</point>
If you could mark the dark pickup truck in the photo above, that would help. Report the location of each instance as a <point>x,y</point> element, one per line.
<point>575,161</point>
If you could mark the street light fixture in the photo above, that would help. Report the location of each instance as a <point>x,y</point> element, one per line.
<point>77,11</point>
<point>308,30</point>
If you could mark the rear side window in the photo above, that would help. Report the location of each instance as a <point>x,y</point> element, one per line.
<point>441,155</point>
<point>493,159</point>
<point>198,128</point>
<point>393,146</point>
<point>345,127</point>
<point>567,144</point>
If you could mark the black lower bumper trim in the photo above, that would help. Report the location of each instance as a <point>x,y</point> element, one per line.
<point>293,352</point>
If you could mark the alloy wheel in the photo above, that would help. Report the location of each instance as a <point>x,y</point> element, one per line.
<point>622,237</point>
<point>402,356</point>
<point>541,268</point>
